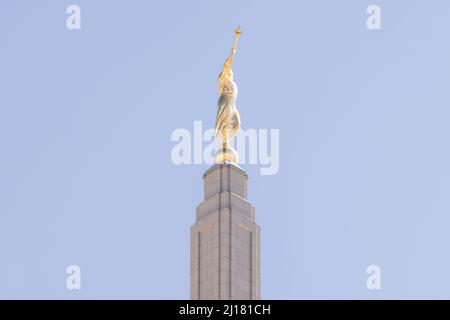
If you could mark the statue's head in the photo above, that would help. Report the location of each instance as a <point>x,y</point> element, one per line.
<point>227,73</point>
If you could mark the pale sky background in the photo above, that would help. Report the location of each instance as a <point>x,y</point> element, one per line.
<point>86,117</point>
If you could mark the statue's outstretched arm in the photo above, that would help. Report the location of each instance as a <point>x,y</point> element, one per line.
<point>229,61</point>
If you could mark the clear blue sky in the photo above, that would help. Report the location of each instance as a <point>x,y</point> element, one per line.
<point>86,118</point>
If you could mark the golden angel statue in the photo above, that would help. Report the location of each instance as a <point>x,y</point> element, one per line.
<point>227,120</point>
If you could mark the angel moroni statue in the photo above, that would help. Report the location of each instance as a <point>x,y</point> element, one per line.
<point>227,120</point>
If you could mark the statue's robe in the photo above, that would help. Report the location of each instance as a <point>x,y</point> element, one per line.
<point>227,120</point>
